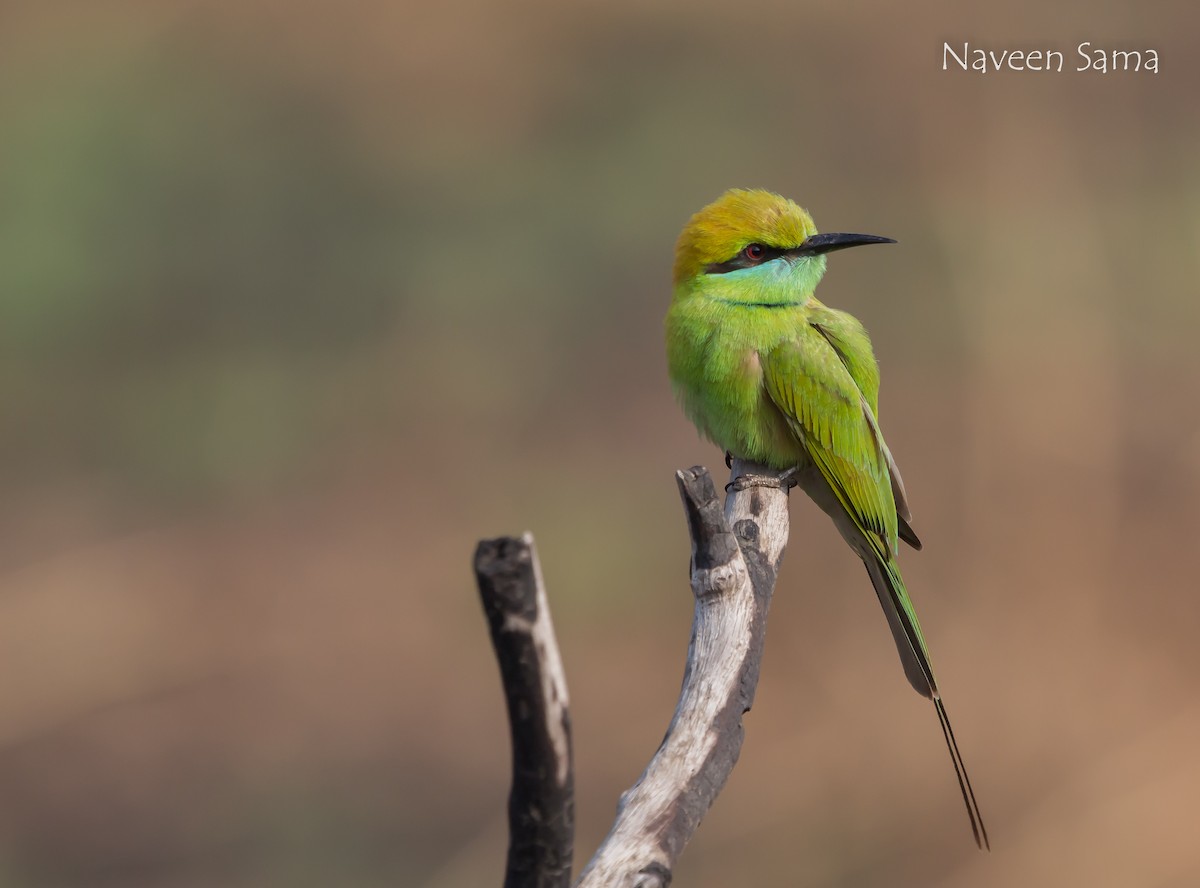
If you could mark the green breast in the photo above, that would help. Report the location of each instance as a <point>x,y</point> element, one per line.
<point>713,355</point>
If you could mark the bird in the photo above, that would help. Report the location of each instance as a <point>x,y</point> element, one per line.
<point>773,376</point>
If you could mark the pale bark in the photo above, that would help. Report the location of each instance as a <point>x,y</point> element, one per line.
<point>736,553</point>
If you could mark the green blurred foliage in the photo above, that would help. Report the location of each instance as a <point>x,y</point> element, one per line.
<point>186,257</point>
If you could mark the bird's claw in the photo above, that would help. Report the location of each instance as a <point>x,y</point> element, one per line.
<point>784,481</point>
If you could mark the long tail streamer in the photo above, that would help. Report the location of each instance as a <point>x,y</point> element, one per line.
<point>964,782</point>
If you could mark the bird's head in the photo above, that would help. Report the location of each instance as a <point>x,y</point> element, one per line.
<point>757,233</point>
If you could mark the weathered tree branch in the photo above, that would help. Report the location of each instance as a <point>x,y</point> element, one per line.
<point>541,804</point>
<point>735,559</point>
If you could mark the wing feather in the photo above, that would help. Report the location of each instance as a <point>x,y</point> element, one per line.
<point>811,386</point>
<point>808,381</point>
<point>849,339</point>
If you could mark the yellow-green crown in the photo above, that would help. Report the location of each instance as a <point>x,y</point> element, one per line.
<point>737,218</point>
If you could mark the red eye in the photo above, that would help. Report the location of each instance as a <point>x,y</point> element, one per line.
<point>754,252</point>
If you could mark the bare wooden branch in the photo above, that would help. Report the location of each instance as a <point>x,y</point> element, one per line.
<point>735,560</point>
<point>541,804</point>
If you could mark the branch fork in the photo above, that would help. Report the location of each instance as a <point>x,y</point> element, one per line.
<point>736,552</point>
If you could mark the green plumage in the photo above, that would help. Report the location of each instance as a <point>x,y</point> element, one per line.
<point>771,375</point>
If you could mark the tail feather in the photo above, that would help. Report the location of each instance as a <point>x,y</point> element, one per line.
<point>911,646</point>
<point>908,643</point>
<point>964,782</point>
<point>902,619</point>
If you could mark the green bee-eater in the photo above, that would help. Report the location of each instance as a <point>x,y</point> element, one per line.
<point>771,375</point>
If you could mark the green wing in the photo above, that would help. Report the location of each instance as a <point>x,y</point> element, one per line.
<point>812,386</point>
<point>809,382</point>
<point>849,339</point>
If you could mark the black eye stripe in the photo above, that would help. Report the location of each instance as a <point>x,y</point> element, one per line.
<point>740,260</point>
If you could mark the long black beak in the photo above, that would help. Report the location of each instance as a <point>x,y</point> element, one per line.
<point>827,243</point>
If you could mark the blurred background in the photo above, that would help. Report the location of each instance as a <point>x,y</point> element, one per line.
<point>299,302</point>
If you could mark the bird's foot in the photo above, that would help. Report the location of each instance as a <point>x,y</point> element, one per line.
<point>783,481</point>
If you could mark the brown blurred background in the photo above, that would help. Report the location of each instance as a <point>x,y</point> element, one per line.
<point>297,303</point>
